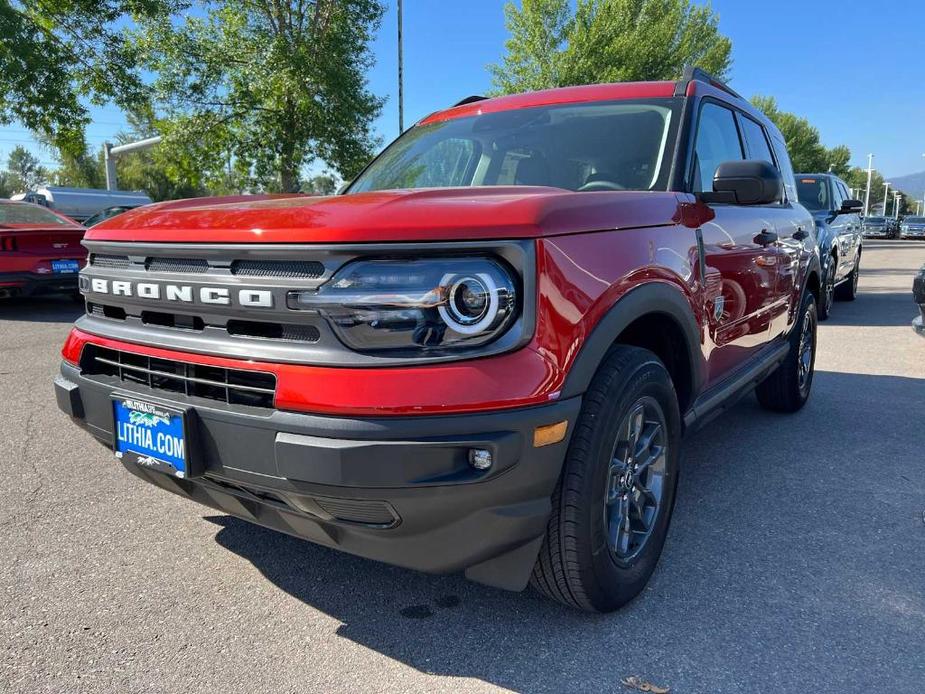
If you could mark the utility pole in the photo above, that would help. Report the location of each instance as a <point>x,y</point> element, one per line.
<point>401,77</point>
<point>870,170</point>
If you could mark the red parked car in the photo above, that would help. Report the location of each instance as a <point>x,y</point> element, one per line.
<point>483,356</point>
<point>40,250</point>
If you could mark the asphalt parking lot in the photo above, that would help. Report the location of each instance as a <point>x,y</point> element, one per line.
<point>795,561</point>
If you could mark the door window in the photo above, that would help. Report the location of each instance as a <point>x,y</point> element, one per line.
<point>838,195</point>
<point>756,141</point>
<point>717,142</point>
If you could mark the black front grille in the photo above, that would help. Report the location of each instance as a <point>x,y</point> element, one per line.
<point>109,261</point>
<point>292,332</point>
<point>103,311</point>
<point>365,512</point>
<point>283,269</point>
<point>232,386</point>
<point>187,265</point>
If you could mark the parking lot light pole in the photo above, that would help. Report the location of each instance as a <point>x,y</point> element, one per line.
<point>896,198</point>
<point>870,170</point>
<point>886,195</point>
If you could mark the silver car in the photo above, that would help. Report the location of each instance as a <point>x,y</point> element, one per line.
<point>912,228</point>
<point>876,227</point>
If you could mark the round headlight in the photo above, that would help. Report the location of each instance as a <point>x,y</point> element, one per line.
<point>472,303</point>
<point>427,303</point>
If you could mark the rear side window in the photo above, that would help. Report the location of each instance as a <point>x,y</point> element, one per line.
<point>755,140</point>
<point>717,142</point>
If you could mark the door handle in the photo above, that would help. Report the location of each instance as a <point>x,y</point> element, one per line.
<point>800,234</point>
<point>765,238</point>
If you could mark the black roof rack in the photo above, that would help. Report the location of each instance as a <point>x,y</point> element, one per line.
<point>695,73</point>
<point>470,100</point>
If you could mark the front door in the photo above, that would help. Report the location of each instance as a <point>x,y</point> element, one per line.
<point>741,253</point>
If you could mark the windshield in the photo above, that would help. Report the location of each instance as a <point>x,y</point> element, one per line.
<point>104,215</point>
<point>599,146</point>
<point>915,220</point>
<point>875,220</point>
<point>814,194</point>
<point>24,213</point>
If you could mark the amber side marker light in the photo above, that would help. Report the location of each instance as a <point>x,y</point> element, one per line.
<point>549,434</point>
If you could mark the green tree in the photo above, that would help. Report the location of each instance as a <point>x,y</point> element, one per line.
<point>263,88</point>
<point>7,184</point>
<point>322,184</point>
<point>56,55</point>
<point>607,41</point>
<point>804,145</point>
<point>25,170</point>
<point>151,170</point>
<point>857,178</point>
<point>81,170</point>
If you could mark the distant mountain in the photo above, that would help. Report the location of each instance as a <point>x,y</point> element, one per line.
<point>912,184</point>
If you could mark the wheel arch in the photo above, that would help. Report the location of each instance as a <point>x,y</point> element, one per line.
<point>658,317</point>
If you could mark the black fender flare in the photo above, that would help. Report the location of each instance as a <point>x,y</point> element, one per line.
<point>649,298</point>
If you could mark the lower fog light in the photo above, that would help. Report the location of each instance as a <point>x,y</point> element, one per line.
<point>480,459</point>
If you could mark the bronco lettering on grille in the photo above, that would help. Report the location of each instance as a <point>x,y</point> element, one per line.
<point>255,298</point>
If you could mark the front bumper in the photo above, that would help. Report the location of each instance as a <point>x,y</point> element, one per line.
<point>396,489</point>
<point>877,233</point>
<point>912,233</point>
<point>31,284</point>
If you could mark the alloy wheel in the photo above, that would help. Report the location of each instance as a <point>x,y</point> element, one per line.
<point>636,479</point>
<point>805,353</point>
<point>829,291</point>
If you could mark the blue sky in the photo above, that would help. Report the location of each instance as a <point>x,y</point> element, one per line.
<point>855,69</point>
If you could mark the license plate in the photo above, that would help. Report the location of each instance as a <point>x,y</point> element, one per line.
<point>65,266</point>
<point>151,435</point>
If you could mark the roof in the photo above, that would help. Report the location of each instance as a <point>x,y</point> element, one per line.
<point>552,97</point>
<point>695,82</point>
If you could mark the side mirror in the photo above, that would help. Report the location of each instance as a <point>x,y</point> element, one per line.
<point>750,182</point>
<point>851,207</point>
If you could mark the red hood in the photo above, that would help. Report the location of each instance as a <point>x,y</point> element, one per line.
<point>406,215</point>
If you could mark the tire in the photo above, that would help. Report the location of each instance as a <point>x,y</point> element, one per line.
<point>827,291</point>
<point>787,389</point>
<point>848,290</point>
<point>587,559</point>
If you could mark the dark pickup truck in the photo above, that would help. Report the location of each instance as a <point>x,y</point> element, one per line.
<point>482,356</point>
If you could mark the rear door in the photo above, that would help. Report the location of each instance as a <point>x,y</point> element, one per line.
<point>740,249</point>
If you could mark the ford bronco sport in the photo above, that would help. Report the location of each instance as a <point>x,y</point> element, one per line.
<point>482,356</point>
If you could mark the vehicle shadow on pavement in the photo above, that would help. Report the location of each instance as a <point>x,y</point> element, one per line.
<point>876,307</point>
<point>795,549</point>
<point>43,309</point>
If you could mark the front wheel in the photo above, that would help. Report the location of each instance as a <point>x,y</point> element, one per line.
<point>613,503</point>
<point>787,388</point>
<point>827,297</point>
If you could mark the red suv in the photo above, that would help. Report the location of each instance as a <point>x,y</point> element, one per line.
<point>483,356</point>
<point>40,250</point>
